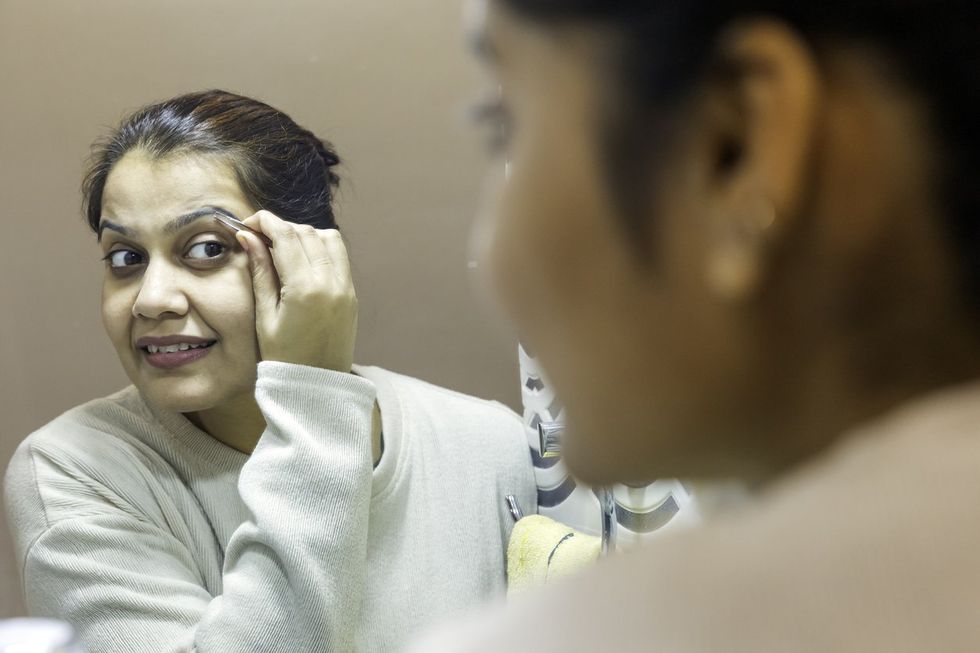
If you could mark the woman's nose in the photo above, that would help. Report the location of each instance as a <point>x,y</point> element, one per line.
<point>160,292</point>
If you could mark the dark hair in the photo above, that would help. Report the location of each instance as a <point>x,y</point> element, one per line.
<point>668,45</point>
<point>280,166</point>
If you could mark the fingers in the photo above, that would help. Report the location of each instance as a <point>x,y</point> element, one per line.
<point>295,245</point>
<point>316,254</point>
<point>336,250</point>
<point>311,317</point>
<point>265,280</point>
<point>328,258</point>
<point>326,253</point>
<point>287,251</point>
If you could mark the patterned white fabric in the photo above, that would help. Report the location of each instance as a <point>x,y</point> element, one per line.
<point>641,512</point>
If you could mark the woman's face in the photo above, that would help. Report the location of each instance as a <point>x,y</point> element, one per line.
<point>640,354</point>
<point>177,298</point>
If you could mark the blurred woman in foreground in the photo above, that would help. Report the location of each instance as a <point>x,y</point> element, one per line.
<point>743,239</point>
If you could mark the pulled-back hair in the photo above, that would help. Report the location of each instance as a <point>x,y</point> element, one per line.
<point>667,46</point>
<point>280,166</point>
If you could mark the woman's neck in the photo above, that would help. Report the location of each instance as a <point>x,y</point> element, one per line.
<point>237,423</point>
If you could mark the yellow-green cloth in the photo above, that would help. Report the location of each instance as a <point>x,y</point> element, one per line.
<point>542,549</point>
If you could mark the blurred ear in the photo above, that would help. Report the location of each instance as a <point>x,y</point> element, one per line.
<point>760,109</point>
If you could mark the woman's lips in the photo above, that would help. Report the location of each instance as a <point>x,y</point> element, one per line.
<point>170,360</point>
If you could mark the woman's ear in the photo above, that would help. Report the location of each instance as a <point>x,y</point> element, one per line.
<point>760,115</point>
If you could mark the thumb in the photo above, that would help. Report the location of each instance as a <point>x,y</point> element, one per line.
<point>265,281</point>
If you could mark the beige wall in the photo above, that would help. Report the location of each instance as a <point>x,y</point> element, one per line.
<point>386,81</point>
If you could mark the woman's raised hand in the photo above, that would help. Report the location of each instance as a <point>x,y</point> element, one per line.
<point>305,306</point>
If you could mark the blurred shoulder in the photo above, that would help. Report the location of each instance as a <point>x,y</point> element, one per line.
<point>870,546</point>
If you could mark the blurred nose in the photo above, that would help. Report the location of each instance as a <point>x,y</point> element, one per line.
<point>161,294</point>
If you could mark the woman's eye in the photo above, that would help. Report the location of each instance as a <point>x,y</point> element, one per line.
<point>123,258</point>
<point>204,251</point>
<point>496,121</point>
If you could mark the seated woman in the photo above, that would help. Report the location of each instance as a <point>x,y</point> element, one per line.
<point>252,490</point>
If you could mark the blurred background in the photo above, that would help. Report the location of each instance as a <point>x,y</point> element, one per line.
<point>386,82</point>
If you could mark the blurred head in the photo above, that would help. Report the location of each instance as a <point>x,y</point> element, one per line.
<point>733,229</point>
<point>175,278</point>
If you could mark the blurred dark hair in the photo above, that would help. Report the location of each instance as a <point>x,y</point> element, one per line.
<point>933,45</point>
<point>280,166</point>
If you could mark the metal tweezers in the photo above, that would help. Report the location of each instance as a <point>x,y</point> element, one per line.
<point>233,223</point>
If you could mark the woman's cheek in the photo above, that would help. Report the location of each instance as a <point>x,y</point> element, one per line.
<point>227,303</point>
<point>117,312</point>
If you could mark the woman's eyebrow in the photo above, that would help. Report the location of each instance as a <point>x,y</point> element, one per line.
<point>173,226</point>
<point>180,222</point>
<point>109,224</point>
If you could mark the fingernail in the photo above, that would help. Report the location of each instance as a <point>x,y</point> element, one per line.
<point>242,240</point>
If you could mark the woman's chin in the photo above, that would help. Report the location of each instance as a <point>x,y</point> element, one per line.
<point>182,396</point>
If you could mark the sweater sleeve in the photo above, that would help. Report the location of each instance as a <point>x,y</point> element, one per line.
<point>293,571</point>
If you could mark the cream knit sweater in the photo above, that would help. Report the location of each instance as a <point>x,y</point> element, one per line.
<point>149,535</point>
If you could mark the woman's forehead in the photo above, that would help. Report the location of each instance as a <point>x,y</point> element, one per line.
<point>143,188</point>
